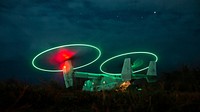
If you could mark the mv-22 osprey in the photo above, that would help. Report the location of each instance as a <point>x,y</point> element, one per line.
<point>98,82</point>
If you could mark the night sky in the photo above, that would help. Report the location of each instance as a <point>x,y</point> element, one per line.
<point>168,28</point>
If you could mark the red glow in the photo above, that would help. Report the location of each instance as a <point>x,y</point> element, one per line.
<point>64,67</point>
<point>61,55</point>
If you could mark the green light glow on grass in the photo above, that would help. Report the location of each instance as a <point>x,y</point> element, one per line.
<point>124,54</point>
<point>69,45</point>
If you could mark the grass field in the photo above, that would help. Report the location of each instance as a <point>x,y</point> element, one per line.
<point>177,91</point>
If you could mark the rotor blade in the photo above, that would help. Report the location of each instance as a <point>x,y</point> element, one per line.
<point>61,55</point>
<point>138,62</point>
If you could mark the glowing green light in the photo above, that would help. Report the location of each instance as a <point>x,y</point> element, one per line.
<point>69,45</point>
<point>124,54</point>
<point>137,63</point>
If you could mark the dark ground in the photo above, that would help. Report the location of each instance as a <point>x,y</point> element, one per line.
<point>176,91</point>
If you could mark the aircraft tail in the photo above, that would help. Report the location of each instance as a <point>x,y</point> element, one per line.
<point>126,70</point>
<point>151,72</point>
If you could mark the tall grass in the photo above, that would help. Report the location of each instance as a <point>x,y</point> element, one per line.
<point>177,91</point>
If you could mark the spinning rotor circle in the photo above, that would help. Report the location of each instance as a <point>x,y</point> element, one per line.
<point>69,45</point>
<point>124,54</point>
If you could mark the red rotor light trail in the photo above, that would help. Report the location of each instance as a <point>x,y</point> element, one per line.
<point>61,55</point>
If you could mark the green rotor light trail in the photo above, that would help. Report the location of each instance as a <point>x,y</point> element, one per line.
<point>124,54</point>
<point>69,45</point>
